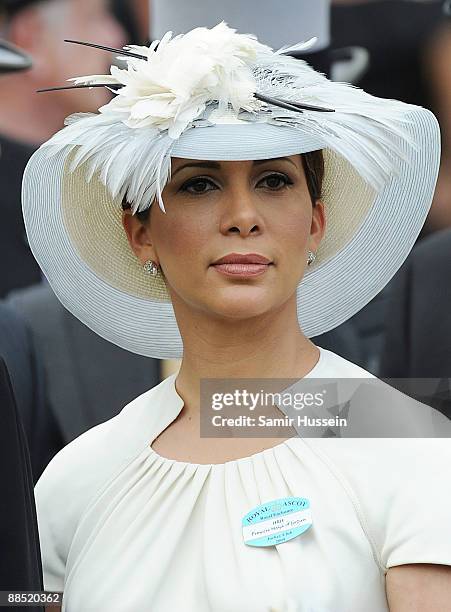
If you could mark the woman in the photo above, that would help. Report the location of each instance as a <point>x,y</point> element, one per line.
<point>243,152</point>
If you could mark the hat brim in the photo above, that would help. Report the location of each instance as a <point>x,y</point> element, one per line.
<point>12,58</point>
<point>75,233</point>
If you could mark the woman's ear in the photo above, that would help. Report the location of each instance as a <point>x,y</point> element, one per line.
<point>318,227</point>
<point>139,237</point>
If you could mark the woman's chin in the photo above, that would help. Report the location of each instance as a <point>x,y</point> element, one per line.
<point>242,303</point>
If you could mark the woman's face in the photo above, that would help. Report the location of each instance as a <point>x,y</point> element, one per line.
<point>214,209</point>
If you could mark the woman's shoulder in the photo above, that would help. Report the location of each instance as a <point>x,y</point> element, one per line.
<point>78,472</point>
<point>98,450</point>
<point>401,493</point>
<point>81,467</point>
<point>333,365</point>
<point>392,481</point>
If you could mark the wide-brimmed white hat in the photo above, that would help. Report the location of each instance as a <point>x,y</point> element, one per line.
<point>213,94</point>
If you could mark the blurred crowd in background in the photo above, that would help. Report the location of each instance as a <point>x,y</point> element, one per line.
<point>65,378</point>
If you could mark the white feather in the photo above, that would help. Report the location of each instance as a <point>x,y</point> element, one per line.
<point>131,163</point>
<point>301,46</point>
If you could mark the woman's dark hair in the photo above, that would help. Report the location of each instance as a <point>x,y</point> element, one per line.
<point>313,164</point>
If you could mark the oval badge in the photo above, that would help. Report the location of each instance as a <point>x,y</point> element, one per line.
<point>276,521</point>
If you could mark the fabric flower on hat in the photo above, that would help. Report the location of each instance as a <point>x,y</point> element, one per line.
<point>181,75</point>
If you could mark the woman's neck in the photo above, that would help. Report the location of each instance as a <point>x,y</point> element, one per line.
<point>270,346</point>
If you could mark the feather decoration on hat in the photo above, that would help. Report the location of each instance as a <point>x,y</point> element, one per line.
<point>362,127</point>
<point>181,75</point>
<point>178,81</point>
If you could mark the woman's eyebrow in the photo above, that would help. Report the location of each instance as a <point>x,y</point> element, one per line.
<point>272,159</point>
<point>198,164</point>
<point>217,166</point>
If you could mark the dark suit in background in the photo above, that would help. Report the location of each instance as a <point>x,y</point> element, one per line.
<point>417,342</point>
<point>20,555</point>
<point>89,380</point>
<point>18,350</point>
<point>343,340</point>
<point>18,267</point>
<point>418,336</point>
<point>396,34</point>
<point>20,558</point>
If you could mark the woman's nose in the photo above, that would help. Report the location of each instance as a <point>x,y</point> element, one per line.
<point>242,211</point>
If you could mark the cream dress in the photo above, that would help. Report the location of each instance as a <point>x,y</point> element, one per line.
<point>123,529</point>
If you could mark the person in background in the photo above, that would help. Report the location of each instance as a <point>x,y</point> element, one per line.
<point>27,118</point>
<point>20,557</point>
<point>438,57</point>
<point>25,367</point>
<point>418,315</point>
<point>40,27</point>
<point>80,367</point>
<point>417,342</point>
<point>88,378</point>
<point>409,43</point>
<point>134,15</point>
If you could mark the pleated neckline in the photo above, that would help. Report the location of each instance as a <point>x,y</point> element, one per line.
<point>258,455</point>
<point>174,404</point>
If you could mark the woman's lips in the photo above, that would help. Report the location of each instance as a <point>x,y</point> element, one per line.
<point>242,269</point>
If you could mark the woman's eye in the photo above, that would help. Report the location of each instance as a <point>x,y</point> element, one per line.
<point>201,185</point>
<point>198,186</point>
<point>276,181</point>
